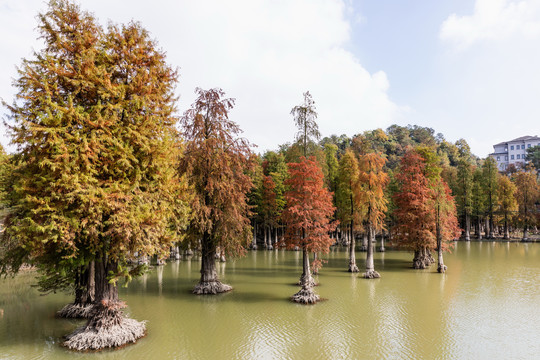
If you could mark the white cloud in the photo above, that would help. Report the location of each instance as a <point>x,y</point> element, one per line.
<point>265,54</point>
<point>493,79</point>
<point>493,20</point>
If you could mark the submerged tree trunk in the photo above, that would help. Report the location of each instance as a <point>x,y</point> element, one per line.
<point>254,243</point>
<point>352,256</point>
<point>525,232</point>
<point>441,268</point>
<point>422,258</point>
<point>107,325</point>
<point>306,295</point>
<point>467,226</point>
<point>209,283</point>
<point>364,242</point>
<point>370,268</point>
<point>84,295</point>
<point>506,230</point>
<point>479,228</point>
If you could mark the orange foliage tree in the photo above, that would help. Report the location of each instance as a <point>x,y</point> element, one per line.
<point>369,191</point>
<point>307,217</point>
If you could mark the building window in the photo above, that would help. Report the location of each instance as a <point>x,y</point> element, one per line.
<point>498,158</point>
<point>528,146</point>
<point>511,157</point>
<point>511,147</point>
<point>522,147</point>
<point>518,156</point>
<point>506,158</point>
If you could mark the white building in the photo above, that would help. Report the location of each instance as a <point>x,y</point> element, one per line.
<point>513,151</point>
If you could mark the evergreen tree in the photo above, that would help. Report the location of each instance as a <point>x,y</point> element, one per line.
<point>528,194</point>
<point>507,203</point>
<point>348,212</point>
<point>489,186</point>
<point>369,194</point>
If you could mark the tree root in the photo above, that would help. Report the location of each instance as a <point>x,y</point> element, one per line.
<point>90,338</point>
<point>363,248</point>
<point>371,274</point>
<point>107,327</point>
<point>442,268</point>
<point>353,268</point>
<point>211,288</point>
<point>75,311</point>
<point>305,296</point>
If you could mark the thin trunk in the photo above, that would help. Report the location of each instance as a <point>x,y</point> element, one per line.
<point>441,268</point>
<point>479,228</point>
<point>382,249</point>
<point>84,294</point>
<point>370,267</point>
<point>352,256</point>
<point>467,226</point>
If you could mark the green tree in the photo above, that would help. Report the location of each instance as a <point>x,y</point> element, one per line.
<point>489,186</point>
<point>217,163</point>
<point>348,212</point>
<point>464,195</point>
<point>533,156</point>
<point>528,193</point>
<point>369,193</point>
<point>507,203</point>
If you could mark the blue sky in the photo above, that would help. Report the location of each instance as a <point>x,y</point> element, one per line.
<point>468,69</point>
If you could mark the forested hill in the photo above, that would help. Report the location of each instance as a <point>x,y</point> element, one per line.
<point>392,142</point>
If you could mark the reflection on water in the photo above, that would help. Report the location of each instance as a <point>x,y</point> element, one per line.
<point>485,306</point>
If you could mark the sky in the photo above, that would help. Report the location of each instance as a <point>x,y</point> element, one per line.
<point>466,68</point>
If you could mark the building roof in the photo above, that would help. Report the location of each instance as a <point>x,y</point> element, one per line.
<point>522,138</point>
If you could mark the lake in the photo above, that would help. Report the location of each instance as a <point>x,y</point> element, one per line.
<point>487,306</point>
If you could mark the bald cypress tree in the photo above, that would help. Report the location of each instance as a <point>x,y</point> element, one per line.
<point>217,163</point>
<point>95,167</point>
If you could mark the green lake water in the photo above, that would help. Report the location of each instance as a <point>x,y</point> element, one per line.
<point>487,306</point>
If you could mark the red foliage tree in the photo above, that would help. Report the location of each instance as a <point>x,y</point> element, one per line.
<point>415,217</point>
<point>307,217</point>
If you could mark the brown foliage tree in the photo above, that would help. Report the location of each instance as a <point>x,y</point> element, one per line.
<point>216,163</point>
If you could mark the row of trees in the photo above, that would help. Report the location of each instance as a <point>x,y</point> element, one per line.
<point>102,178</point>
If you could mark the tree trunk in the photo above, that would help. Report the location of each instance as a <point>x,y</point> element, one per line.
<point>525,232</point>
<point>107,325</point>
<point>467,226</point>
<point>479,228</point>
<point>506,230</point>
<point>254,243</point>
<point>441,268</point>
<point>265,237</point>
<point>306,295</point>
<point>370,267</point>
<point>352,256</point>
<point>382,249</point>
<point>489,235</point>
<point>84,294</point>
<point>209,282</point>
<point>422,258</point>
<point>364,241</point>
